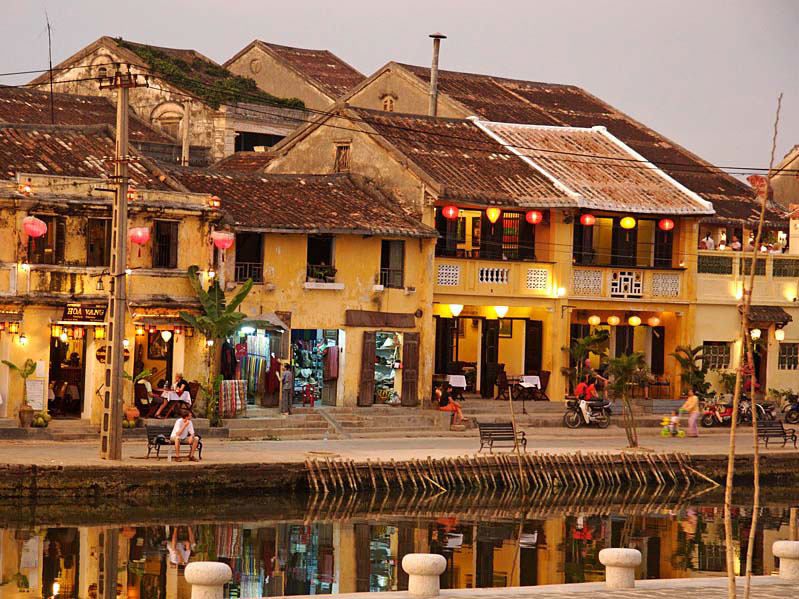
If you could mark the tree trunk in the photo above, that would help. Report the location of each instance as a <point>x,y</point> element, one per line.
<point>629,422</point>
<point>756,500</point>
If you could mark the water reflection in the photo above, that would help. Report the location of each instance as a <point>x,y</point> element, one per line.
<point>357,544</point>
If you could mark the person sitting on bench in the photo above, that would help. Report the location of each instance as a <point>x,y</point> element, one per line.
<point>446,403</point>
<point>183,434</point>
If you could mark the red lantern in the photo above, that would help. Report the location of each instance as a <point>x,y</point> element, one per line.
<point>139,236</point>
<point>588,220</point>
<point>34,227</point>
<point>450,212</point>
<point>223,240</point>
<point>493,214</point>
<point>666,224</point>
<point>534,217</point>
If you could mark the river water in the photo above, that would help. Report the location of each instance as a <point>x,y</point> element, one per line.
<point>305,545</point>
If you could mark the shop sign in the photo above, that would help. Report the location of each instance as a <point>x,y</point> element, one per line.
<point>84,313</point>
<point>102,351</point>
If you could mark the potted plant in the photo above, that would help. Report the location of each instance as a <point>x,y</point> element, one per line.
<point>131,411</point>
<point>25,411</point>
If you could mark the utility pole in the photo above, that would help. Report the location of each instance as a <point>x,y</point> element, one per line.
<point>50,55</point>
<point>111,426</point>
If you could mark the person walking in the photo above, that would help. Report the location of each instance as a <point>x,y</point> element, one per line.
<point>287,393</point>
<point>691,406</point>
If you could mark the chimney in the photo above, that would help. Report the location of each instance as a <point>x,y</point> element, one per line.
<point>433,110</point>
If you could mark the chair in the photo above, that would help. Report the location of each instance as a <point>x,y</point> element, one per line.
<point>503,388</point>
<point>541,394</point>
<point>308,395</point>
<point>143,401</point>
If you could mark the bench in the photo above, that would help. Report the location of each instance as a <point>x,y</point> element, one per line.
<point>500,432</point>
<point>158,437</point>
<point>773,429</point>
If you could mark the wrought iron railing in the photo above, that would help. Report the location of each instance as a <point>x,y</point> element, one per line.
<point>250,270</point>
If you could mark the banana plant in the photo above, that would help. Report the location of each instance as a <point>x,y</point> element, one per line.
<point>24,372</point>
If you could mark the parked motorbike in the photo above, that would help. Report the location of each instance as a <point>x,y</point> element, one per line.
<point>766,410</point>
<point>720,413</point>
<point>791,409</point>
<point>584,413</point>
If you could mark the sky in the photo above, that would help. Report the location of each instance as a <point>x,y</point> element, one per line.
<point>705,73</point>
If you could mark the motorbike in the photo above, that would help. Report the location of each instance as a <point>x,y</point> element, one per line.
<point>766,410</point>
<point>720,414</point>
<point>580,412</point>
<point>791,410</point>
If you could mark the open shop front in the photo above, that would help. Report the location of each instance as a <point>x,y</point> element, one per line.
<point>316,360</point>
<point>253,356</point>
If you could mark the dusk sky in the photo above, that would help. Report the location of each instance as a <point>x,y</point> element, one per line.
<point>705,73</point>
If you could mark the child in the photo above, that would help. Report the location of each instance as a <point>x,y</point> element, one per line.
<point>674,423</point>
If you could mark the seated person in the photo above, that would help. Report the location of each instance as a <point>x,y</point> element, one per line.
<point>586,390</point>
<point>180,551</point>
<point>183,434</point>
<point>446,403</point>
<point>181,394</point>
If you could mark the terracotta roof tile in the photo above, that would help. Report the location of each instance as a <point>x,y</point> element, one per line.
<point>30,106</point>
<point>516,101</point>
<point>767,314</point>
<point>245,162</point>
<point>65,151</point>
<point>465,161</point>
<point>302,203</point>
<point>334,76</point>
<point>599,167</point>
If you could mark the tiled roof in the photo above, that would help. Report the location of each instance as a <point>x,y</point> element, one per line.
<point>32,106</point>
<point>334,76</point>
<point>245,162</point>
<point>465,161</point>
<point>302,203</point>
<point>606,173</point>
<point>65,151</point>
<point>528,102</point>
<point>764,314</point>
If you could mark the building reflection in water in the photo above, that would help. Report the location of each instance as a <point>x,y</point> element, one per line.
<point>363,553</point>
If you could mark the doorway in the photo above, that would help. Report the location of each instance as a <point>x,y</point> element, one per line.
<point>67,372</point>
<point>489,358</point>
<point>155,353</point>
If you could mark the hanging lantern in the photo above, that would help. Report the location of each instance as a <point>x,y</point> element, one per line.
<point>628,222</point>
<point>13,328</point>
<point>665,224</point>
<point>77,333</point>
<point>99,333</point>
<point>139,236</point>
<point>34,227</point>
<point>594,320</point>
<point>450,212</point>
<point>534,217</point>
<point>166,336</point>
<point>493,214</point>
<point>455,309</point>
<point>215,202</point>
<point>223,240</point>
<point>755,333</point>
<point>23,339</point>
<point>614,321</point>
<point>132,195</point>
<point>189,332</point>
<point>653,321</point>
<point>634,321</point>
<point>779,334</point>
<point>63,337</point>
<point>139,330</point>
<point>501,311</point>
<point>178,330</point>
<point>588,220</point>
<point>55,330</point>
<point>153,330</point>
<point>26,188</point>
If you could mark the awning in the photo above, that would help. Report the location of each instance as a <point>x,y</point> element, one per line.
<point>10,316</point>
<point>268,320</point>
<point>173,320</point>
<point>766,315</point>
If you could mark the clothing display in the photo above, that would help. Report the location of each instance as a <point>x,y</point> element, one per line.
<point>229,361</point>
<point>232,398</point>
<point>273,376</point>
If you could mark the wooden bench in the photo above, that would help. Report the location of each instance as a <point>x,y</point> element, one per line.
<point>773,429</point>
<point>158,437</point>
<point>500,432</point>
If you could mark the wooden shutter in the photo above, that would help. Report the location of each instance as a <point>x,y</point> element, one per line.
<point>60,239</point>
<point>624,245</point>
<point>410,369</point>
<point>526,240</point>
<point>658,350</point>
<point>624,340</point>
<point>366,393</point>
<point>664,243</point>
<point>533,346</point>
<point>490,238</point>
<point>490,357</point>
<point>173,245</point>
<point>444,343</point>
<point>363,558</point>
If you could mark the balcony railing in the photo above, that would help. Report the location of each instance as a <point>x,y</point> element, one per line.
<point>392,278</point>
<point>249,270</point>
<point>625,283</point>
<point>721,276</point>
<point>715,262</point>
<point>478,277</point>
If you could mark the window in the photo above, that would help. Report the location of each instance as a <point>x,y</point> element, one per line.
<point>320,259</point>
<point>716,354</point>
<point>49,249</point>
<point>788,358</point>
<point>472,235</point>
<point>392,264</point>
<point>165,248</point>
<point>98,242</point>
<point>388,104</point>
<point>170,125</point>
<point>342,158</point>
<point>102,72</point>
<point>249,257</point>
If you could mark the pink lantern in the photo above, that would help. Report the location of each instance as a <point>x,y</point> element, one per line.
<point>34,227</point>
<point>223,240</point>
<point>139,236</point>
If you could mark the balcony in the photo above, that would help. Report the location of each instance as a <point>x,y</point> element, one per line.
<point>249,270</point>
<point>493,278</point>
<point>720,276</point>
<point>626,283</point>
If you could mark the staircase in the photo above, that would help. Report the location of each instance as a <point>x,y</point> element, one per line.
<point>72,430</point>
<point>266,423</point>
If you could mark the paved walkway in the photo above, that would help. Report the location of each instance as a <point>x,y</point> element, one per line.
<point>223,451</point>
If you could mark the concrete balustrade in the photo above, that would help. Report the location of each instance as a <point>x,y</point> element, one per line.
<point>788,552</point>
<point>207,579</point>
<point>423,570</point>
<point>620,567</point>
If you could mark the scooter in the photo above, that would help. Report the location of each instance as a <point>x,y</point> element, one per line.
<point>791,409</point>
<point>580,412</point>
<point>719,414</point>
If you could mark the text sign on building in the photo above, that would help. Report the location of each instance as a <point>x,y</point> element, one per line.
<point>84,313</point>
